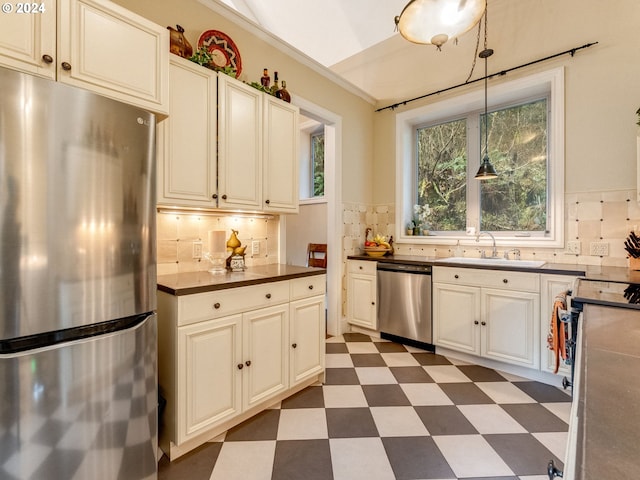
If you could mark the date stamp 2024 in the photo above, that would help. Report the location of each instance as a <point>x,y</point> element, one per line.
<point>23,8</point>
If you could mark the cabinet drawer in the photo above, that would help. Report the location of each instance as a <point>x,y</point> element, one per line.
<point>205,306</point>
<point>308,286</point>
<point>362,266</point>
<point>506,280</point>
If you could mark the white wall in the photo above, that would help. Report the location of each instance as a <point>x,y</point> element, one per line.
<point>309,226</point>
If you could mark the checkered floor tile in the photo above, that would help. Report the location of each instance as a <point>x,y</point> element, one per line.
<point>388,411</point>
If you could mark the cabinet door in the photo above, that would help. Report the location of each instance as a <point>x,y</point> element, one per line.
<point>456,317</point>
<point>239,145</point>
<point>280,175</point>
<point>28,41</point>
<point>307,338</point>
<point>187,139</point>
<point>361,301</point>
<point>510,327</point>
<point>265,354</point>
<point>209,380</point>
<point>550,286</point>
<point>114,52</point>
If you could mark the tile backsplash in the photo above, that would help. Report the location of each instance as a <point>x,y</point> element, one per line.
<point>605,217</point>
<point>177,232</point>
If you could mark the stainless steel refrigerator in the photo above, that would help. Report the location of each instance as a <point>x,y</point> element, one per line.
<point>78,389</point>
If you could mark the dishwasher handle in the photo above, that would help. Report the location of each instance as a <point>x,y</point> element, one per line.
<point>404,268</point>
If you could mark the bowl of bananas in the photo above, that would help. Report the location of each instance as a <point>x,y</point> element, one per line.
<point>378,246</point>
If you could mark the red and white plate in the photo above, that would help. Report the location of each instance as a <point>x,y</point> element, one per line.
<point>222,49</point>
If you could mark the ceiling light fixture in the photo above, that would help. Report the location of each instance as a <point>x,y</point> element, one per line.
<point>436,21</point>
<point>486,170</point>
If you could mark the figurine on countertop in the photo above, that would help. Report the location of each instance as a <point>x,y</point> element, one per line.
<point>235,261</point>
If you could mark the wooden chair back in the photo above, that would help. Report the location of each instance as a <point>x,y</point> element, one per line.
<point>317,255</point>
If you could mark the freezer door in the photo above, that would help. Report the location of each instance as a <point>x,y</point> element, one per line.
<point>82,410</point>
<point>77,207</point>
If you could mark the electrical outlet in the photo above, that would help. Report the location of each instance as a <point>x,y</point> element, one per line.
<point>255,247</point>
<point>599,249</point>
<point>197,249</point>
<point>574,247</point>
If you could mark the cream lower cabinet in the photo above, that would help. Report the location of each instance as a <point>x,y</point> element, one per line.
<point>224,356</point>
<point>92,44</point>
<point>361,293</point>
<point>493,314</point>
<point>550,286</point>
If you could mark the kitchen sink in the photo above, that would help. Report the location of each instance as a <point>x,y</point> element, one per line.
<point>495,261</point>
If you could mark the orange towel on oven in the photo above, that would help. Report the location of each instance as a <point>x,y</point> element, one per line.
<point>557,338</point>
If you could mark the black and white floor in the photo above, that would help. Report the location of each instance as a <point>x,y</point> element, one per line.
<point>387,412</point>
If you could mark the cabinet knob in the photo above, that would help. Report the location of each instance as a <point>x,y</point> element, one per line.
<point>240,366</point>
<point>66,66</point>
<point>267,201</point>
<point>504,280</point>
<point>214,196</point>
<point>483,323</point>
<point>216,305</point>
<point>360,268</point>
<point>310,287</point>
<point>475,322</point>
<point>268,295</point>
<point>294,345</point>
<point>47,58</point>
<point>373,303</point>
<point>456,276</point>
<point>248,363</point>
<point>224,197</point>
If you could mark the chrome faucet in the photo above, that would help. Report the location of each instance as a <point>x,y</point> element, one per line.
<point>494,252</point>
<point>515,251</point>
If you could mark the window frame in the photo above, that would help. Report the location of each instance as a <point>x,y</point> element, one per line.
<point>549,84</point>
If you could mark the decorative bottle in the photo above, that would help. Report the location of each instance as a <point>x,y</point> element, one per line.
<point>266,79</point>
<point>275,87</point>
<point>283,93</point>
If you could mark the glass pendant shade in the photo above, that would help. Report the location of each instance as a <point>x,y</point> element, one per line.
<point>436,21</point>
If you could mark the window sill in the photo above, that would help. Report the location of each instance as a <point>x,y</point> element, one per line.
<point>312,201</point>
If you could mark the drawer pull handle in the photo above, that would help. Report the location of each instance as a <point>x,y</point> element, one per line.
<point>456,276</point>
<point>216,305</point>
<point>504,280</point>
<point>66,66</point>
<point>295,345</point>
<point>240,366</point>
<point>475,322</point>
<point>47,58</point>
<point>248,363</point>
<point>483,323</point>
<point>268,295</point>
<point>310,287</point>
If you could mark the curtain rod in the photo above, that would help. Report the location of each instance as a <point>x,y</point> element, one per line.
<point>571,51</point>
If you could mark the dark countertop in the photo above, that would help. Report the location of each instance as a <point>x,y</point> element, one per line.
<point>198,282</point>
<point>614,274</point>
<point>609,406</point>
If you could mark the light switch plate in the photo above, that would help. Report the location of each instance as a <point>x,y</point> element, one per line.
<point>574,247</point>
<point>255,247</point>
<point>197,249</point>
<point>599,249</point>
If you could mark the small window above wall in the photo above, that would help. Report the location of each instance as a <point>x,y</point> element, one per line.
<point>439,150</point>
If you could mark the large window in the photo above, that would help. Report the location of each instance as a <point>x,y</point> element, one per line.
<point>440,148</point>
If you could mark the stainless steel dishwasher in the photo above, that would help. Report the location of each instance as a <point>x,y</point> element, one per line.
<point>404,303</point>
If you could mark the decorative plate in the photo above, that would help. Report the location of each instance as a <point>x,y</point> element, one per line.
<point>222,49</point>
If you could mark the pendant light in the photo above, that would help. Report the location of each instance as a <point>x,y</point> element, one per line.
<point>486,170</point>
<point>436,21</point>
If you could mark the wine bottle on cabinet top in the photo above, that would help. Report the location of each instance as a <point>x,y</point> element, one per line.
<point>283,93</point>
<point>275,87</point>
<point>266,79</point>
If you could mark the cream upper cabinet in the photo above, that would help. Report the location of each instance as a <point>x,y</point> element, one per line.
<point>257,149</point>
<point>239,145</point>
<point>550,286</point>
<point>280,174</point>
<point>361,294</point>
<point>187,139</point>
<point>28,41</point>
<point>92,44</point>
<point>489,313</point>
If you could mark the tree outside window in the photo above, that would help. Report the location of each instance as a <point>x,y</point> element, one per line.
<point>317,164</point>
